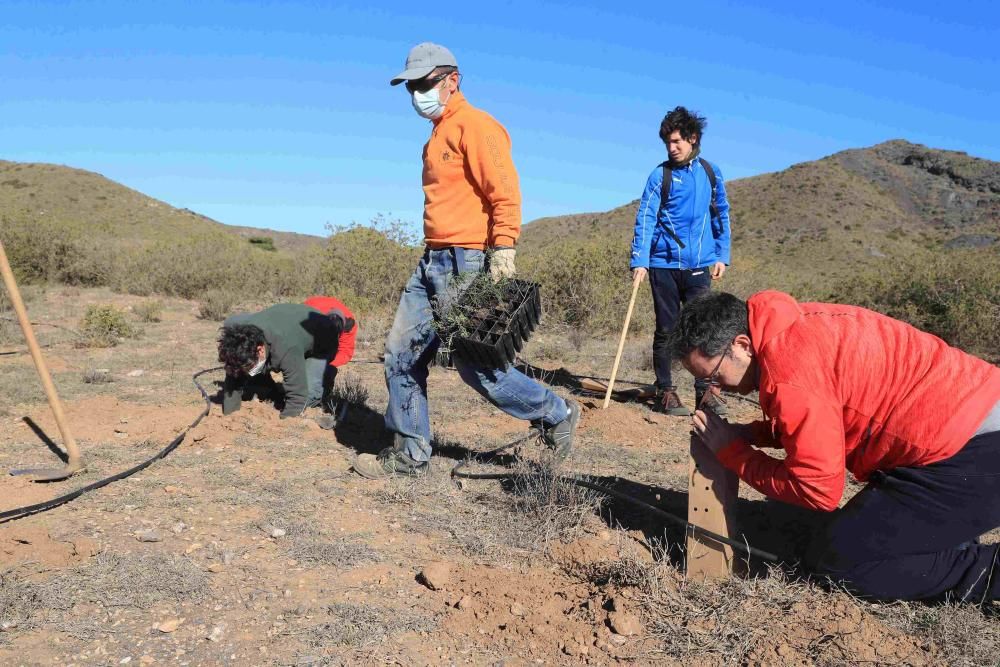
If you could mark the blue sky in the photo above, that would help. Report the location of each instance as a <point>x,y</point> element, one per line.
<point>279,114</point>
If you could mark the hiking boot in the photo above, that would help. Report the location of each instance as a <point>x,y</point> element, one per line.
<point>559,437</point>
<point>389,463</point>
<point>669,403</point>
<point>711,402</point>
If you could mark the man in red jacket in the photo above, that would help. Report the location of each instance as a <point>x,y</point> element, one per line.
<point>348,326</point>
<point>842,387</point>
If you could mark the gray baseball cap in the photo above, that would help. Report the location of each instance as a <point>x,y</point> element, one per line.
<point>422,60</point>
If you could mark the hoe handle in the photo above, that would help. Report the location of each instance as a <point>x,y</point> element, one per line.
<point>621,342</point>
<point>36,355</point>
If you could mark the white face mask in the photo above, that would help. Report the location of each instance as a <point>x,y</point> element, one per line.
<point>428,104</point>
<point>256,370</point>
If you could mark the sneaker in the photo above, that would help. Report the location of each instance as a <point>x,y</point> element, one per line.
<point>389,463</point>
<point>712,402</point>
<point>669,403</point>
<point>559,437</point>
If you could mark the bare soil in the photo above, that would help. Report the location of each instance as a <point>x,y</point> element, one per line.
<point>254,543</point>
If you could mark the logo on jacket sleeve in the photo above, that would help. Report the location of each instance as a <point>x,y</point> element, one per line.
<point>445,156</point>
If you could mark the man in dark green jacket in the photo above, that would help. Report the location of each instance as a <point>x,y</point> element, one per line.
<point>292,339</point>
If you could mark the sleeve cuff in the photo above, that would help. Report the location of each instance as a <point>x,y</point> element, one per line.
<point>503,240</point>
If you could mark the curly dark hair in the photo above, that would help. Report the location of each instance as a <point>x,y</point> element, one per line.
<point>709,323</point>
<point>238,346</point>
<point>690,124</point>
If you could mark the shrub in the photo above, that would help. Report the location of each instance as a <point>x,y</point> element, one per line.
<point>216,305</point>
<point>104,326</point>
<point>149,311</point>
<point>367,266</point>
<point>955,297</point>
<point>263,243</point>
<point>97,376</point>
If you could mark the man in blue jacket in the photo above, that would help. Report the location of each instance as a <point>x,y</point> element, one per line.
<point>681,241</point>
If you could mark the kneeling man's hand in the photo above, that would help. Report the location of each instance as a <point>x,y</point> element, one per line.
<point>714,431</point>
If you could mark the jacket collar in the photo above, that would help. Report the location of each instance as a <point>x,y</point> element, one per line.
<point>456,103</point>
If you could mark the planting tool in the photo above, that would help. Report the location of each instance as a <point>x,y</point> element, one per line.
<point>74,462</point>
<point>621,342</point>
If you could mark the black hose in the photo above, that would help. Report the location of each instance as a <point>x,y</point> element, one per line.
<point>581,481</point>
<point>20,512</point>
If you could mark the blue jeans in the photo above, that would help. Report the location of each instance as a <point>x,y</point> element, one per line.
<point>411,345</point>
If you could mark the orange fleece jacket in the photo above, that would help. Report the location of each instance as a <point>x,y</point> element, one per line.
<point>844,387</point>
<point>471,193</point>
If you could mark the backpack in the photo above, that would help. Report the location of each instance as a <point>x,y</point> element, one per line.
<point>668,182</point>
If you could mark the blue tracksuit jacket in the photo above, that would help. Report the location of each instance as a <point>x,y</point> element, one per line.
<point>706,241</point>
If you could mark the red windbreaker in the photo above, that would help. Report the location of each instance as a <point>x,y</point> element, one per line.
<point>328,305</point>
<point>844,387</point>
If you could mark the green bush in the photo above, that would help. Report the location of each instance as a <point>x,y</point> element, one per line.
<point>366,267</point>
<point>105,326</point>
<point>587,285</point>
<point>955,296</point>
<point>262,243</point>
<point>216,305</point>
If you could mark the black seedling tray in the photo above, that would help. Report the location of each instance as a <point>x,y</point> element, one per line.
<point>498,333</point>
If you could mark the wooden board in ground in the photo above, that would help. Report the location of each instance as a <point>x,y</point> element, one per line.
<point>626,393</point>
<point>712,494</point>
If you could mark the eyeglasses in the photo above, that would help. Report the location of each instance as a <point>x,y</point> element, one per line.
<point>426,83</point>
<point>713,379</point>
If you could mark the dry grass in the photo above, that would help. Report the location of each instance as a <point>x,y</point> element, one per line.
<point>361,625</point>
<point>127,580</point>
<point>21,601</point>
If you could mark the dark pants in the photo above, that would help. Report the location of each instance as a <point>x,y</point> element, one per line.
<point>911,534</point>
<point>671,288</point>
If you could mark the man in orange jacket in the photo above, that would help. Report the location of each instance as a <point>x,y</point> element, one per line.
<point>472,207</point>
<point>844,387</point>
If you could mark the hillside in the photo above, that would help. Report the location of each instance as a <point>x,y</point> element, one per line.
<point>84,199</point>
<point>819,221</point>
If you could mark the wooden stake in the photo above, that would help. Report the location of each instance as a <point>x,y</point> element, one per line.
<point>75,461</point>
<point>621,342</point>
<point>712,493</point>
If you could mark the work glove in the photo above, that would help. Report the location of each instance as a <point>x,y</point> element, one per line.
<point>502,263</point>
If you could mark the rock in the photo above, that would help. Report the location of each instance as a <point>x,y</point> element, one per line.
<point>169,626</point>
<point>148,535</point>
<point>216,568</point>
<point>170,489</point>
<point>517,609</point>
<point>147,660</point>
<point>136,373</point>
<point>465,602</point>
<point>625,624</point>
<point>216,634</point>
<point>193,547</point>
<point>576,650</point>
<point>278,532</point>
<point>179,527</point>
<point>436,576</point>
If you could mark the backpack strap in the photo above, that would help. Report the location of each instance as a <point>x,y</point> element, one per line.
<point>664,196</point>
<point>713,208</point>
